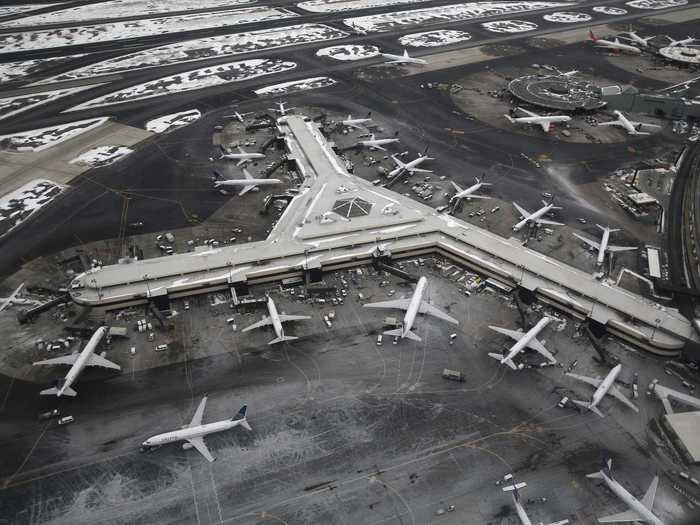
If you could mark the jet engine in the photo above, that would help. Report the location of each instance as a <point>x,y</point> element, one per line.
<point>186,446</point>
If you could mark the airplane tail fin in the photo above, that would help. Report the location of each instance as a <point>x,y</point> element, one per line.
<point>54,391</point>
<point>592,36</point>
<point>607,468</point>
<point>515,487</point>
<point>399,333</point>
<point>283,338</point>
<point>500,359</point>
<point>510,119</point>
<point>241,418</point>
<point>588,406</point>
<point>405,53</point>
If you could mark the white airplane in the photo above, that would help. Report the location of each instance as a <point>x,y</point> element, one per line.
<point>536,216</point>
<point>356,122</point>
<point>78,361</point>
<point>632,127</point>
<point>519,509</point>
<point>614,45</point>
<point>403,59</point>
<point>238,116</point>
<point>523,340</point>
<point>13,300</point>
<point>275,319</point>
<point>243,157</point>
<point>468,193</point>
<point>685,42</point>
<point>639,510</point>
<point>281,109</point>
<point>634,37</point>
<point>603,246</point>
<point>195,432</point>
<point>247,184</point>
<point>413,306</point>
<point>541,120</point>
<point>410,167</point>
<point>602,387</point>
<point>376,143</point>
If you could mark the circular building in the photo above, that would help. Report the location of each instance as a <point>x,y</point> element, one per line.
<point>559,92</point>
<point>681,54</point>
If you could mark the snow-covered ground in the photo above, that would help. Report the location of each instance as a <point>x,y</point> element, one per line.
<point>17,206</point>
<point>296,85</point>
<point>336,6</point>
<point>118,9</point>
<point>656,4</point>
<point>567,17</point>
<point>13,105</point>
<point>190,80</point>
<point>16,9</point>
<point>101,156</point>
<point>44,138</point>
<point>441,37</point>
<point>349,52</point>
<point>14,70</point>
<point>509,26</point>
<point>606,10</point>
<point>88,34</point>
<point>198,49</point>
<point>443,14</point>
<point>173,121</point>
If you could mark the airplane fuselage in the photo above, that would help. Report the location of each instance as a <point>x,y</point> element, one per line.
<point>377,142</point>
<point>237,183</point>
<point>524,518</point>
<point>520,345</point>
<point>413,307</point>
<point>538,120</point>
<point>275,318</point>
<point>618,46</point>
<point>603,388</point>
<point>632,502</point>
<point>408,166</point>
<point>403,59</point>
<point>190,433</point>
<point>533,217</point>
<point>603,246</point>
<point>356,121</point>
<point>464,194</point>
<point>82,360</point>
<point>242,156</point>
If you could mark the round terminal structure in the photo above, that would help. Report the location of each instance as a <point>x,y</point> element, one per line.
<point>683,54</point>
<point>562,92</point>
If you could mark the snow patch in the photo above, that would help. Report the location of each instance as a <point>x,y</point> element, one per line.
<point>101,156</point>
<point>296,85</point>
<point>44,138</point>
<point>567,17</point>
<point>12,105</point>
<point>88,34</point>
<point>606,10</point>
<point>437,38</point>
<point>349,52</point>
<point>173,121</point>
<point>17,9</point>
<point>218,75</point>
<point>656,4</point>
<point>509,26</point>
<point>17,206</point>
<point>14,70</point>
<point>336,6</point>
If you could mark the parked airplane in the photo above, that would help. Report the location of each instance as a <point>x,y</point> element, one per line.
<point>247,184</point>
<point>403,59</point>
<point>536,216</point>
<point>634,37</point>
<point>519,509</point>
<point>13,300</point>
<point>468,193</point>
<point>275,319</point>
<point>685,42</point>
<point>410,167</point>
<point>281,109</point>
<point>632,127</point>
<point>195,432</point>
<point>545,121</point>
<point>614,45</point>
<point>78,361</point>
<point>413,306</point>
<point>238,116</point>
<point>638,510</point>
<point>523,340</point>
<point>356,122</point>
<point>243,157</point>
<point>603,386</point>
<point>376,143</point>
<point>603,246</point>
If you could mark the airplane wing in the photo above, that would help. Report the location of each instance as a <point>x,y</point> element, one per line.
<point>628,515</point>
<point>63,360</point>
<point>399,304</point>
<point>419,170</point>
<point>98,360</point>
<point>621,248</point>
<point>539,347</point>
<point>456,187</point>
<point>284,318</point>
<point>617,394</point>
<point>429,309</point>
<point>546,221</point>
<point>352,125</point>
<point>377,146</point>
<point>522,211</point>
<point>197,418</point>
<point>513,334</point>
<point>528,113</point>
<point>588,241</point>
<point>9,300</point>
<point>617,122</point>
<point>593,382</point>
<point>198,443</point>
<point>242,162</point>
<point>247,174</point>
<point>399,164</point>
<point>546,124</point>
<point>650,494</point>
<point>266,321</point>
<point>246,189</point>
